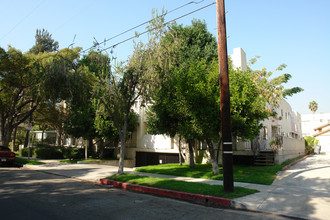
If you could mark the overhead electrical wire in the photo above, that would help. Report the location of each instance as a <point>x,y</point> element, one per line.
<point>23,19</point>
<point>114,45</point>
<point>144,23</point>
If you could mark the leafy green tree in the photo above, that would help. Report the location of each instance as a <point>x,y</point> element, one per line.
<point>313,106</point>
<point>53,116</point>
<point>28,80</point>
<point>186,100</point>
<point>117,93</point>
<point>180,48</point>
<point>18,95</point>
<point>272,87</point>
<point>84,119</point>
<point>44,42</point>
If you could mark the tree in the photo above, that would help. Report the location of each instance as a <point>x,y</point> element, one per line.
<point>52,115</point>
<point>180,48</point>
<point>18,95</point>
<point>186,100</point>
<point>117,93</point>
<point>85,119</point>
<point>44,42</point>
<point>313,106</point>
<point>29,79</point>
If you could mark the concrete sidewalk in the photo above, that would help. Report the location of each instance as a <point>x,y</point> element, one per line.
<point>300,191</point>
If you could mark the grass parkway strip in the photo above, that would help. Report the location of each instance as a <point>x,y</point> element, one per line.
<point>248,174</point>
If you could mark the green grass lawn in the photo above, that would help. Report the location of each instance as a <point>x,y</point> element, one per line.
<point>190,187</point>
<point>249,174</point>
<point>27,162</point>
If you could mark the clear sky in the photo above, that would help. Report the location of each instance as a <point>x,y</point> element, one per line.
<point>294,32</point>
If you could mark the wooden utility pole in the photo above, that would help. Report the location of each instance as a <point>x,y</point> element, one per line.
<point>227,152</point>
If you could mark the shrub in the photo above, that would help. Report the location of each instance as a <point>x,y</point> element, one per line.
<point>51,152</point>
<point>48,153</point>
<point>73,153</point>
<point>24,152</point>
<point>310,142</point>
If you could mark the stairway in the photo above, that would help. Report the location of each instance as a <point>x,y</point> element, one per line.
<point>265,158</point>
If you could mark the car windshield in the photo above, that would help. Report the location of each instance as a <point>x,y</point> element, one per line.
<point>4,148</point>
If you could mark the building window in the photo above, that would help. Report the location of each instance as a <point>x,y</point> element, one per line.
<point>265,133</point>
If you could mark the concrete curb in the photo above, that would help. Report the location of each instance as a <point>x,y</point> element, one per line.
<point>297,161</point>
<point>195,198</point>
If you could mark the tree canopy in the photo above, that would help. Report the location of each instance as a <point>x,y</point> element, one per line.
<point>186,101</point>
<point>44,42</point>
<point>313,106</point>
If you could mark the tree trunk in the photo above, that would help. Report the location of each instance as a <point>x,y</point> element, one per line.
<point>42,136</point>
<point>180,152</point>
<point>101,149</point>
<point>122,135</point>
<point>214,162</point>
<point>86,152</point>
<point>26,142</point>
<point>234,144</point>
<point>122,155</point>
<point>5,138</point>
<point>5,132</point>
<point>13,141</point>
<point>191,144</point>
<point>219,150</point>
<point>90,147</point>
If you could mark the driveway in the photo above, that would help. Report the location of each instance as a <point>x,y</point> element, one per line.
<point>301,191</point>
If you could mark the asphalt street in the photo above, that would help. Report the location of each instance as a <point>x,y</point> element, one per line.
<point>31,194</point>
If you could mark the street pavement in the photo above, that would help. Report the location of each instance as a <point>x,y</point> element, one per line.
<point>302,191</point>
<point>29,194</point>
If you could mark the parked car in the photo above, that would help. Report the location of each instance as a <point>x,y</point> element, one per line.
<point>6,156</point>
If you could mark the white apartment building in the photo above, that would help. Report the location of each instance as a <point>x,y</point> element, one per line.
<point>145,149</point>
<point>318,126</point>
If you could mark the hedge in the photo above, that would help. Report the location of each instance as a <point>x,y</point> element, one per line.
<point>51,152</point>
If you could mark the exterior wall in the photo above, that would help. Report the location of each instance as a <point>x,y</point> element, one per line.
<point>239,59</point>
<point>291,148</point>
<point>324,142</point>
<point>143,142</point>
<point>312,121</point>
<point>287,123</point>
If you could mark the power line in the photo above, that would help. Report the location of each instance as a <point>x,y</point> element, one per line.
<point>24,18</point>
<point>114,45</point>
<point>144,23</point>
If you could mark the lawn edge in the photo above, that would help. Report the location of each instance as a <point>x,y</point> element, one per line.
<point>206,200</point>
<point>295,162</point>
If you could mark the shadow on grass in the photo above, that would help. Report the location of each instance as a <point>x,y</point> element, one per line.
<point>248,174</point>
<point>182,186</point>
